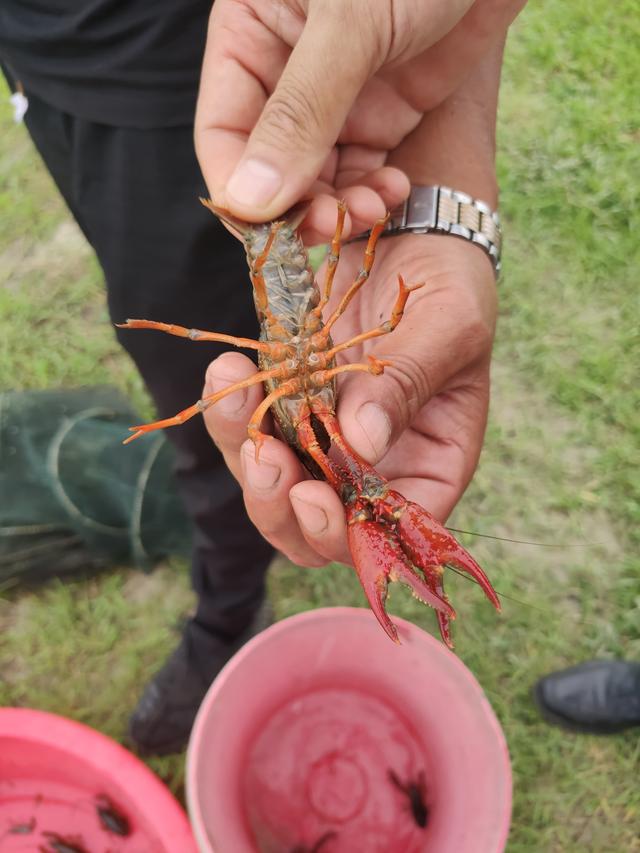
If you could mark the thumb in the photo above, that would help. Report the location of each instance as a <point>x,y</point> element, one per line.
<point>374,411</point>
<point>301,121</point>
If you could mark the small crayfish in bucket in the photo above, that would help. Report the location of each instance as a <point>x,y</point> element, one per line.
<point>390,538</point>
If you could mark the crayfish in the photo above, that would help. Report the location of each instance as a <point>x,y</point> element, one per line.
<point>416,793</point>
<point>111,818</point>
<point>61,845</point>
<point>390,538</point>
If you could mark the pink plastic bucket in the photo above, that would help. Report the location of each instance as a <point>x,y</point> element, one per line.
<point>321,735</point>
<point>55,775</point>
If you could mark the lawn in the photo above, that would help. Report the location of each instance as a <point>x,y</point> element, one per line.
<point>560,464</point>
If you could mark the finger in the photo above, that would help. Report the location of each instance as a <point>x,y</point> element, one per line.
<point>367,200</point>
<point>374,411</point>
<point>301,120</point>
<point>364,207</point>
<point>267,484</point>
<point>242,62</point>
<point>391,184</point>
<point>227,420</point>
<point>320,223</point>
<point>320,515</point>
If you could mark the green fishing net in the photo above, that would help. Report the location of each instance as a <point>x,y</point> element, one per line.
<point>72,498</point>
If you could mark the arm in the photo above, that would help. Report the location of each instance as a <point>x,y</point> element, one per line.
<point>423,421</point>
<point>293,82</point>
<point>454,144</point>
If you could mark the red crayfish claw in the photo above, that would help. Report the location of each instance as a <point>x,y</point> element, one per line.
<point>393,539</point>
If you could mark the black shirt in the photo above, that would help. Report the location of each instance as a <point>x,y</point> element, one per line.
<point>131,63</point>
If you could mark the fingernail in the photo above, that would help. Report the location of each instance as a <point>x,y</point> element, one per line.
<point>376,426</point>
<point>312,517</point>
<point>261,476</point>
<point>254,183</point>
<point>214,382</point>
<point>231,405</point>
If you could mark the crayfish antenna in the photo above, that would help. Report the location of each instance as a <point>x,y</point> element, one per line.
<point>237,227</point>
<point>378,559</point>
<point>292,218</point>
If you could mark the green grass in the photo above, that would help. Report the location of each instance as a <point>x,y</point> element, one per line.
<point>560,462</point>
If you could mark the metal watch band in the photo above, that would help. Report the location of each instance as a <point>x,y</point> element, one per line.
<point>441,210</point>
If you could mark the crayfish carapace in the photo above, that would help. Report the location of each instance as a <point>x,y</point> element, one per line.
<point>390,538</point>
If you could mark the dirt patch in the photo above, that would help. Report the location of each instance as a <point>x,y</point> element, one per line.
<point>15,615</point>
<point>140,588</point>
<point>540,460</point>
<point>66,249</point>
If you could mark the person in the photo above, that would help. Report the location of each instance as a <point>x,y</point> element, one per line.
<point>594,697</point>
<point>296,98</point>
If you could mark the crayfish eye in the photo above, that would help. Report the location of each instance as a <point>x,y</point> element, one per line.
<point>348,493</point>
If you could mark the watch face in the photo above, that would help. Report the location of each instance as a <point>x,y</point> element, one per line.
<point>422,208</point>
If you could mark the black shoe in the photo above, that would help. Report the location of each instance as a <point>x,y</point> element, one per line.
<point>597,697</point>
<point>163,718</point>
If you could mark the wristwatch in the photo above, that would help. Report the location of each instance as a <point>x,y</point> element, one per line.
<point>441,210</point>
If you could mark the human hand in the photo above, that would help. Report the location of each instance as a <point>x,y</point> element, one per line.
<point>299,100</point>
<point>424,419</point>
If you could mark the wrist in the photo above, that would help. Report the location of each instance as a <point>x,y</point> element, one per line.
<point>443,158</point>
<point>461,283</point>
<point>454,144</point>
<point>443,210</point>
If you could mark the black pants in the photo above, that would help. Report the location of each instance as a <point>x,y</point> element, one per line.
<point>134,193</point>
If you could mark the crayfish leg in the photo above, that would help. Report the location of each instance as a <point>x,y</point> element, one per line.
<point>310,443</point>
<point>404,290</point>
<point>291,386</point>
<point>274,349</point>
<point>363,274</point>
<point>332,260</point>
<point>202,405</point>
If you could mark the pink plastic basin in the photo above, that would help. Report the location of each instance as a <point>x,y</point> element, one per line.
<point>54,773</point>
<point>322,736</point>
